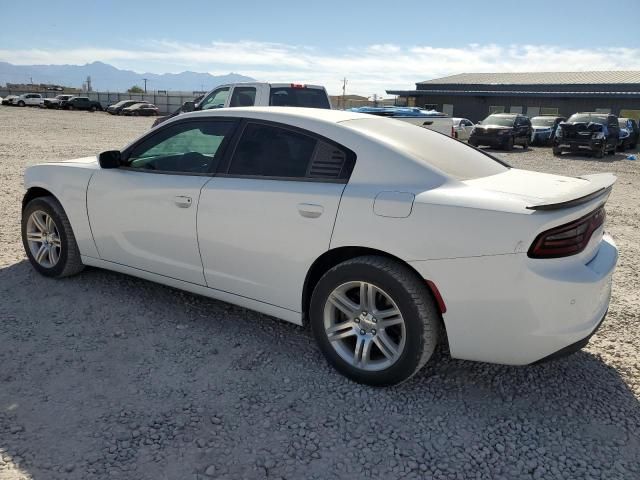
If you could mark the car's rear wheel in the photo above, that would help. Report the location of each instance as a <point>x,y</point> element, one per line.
<point>374,320</point>
<point>48,239</point>
<point>92,108</point>
<point>21,103</point>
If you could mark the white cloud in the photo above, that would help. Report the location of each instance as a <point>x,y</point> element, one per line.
<point>369,69</point>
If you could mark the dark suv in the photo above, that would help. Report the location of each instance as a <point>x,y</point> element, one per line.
<point>634,133</point>
<point>80,103</point>
<point>590,132</point>
<point>502,130</point>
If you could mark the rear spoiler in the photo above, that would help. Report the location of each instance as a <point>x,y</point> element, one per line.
<point>599,185</point>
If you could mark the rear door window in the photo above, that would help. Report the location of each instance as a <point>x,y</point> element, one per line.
<point>298,97</point>
<point>243,97</point>
<point>268,151</point>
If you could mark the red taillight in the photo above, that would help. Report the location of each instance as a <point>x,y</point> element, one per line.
<point>298,85</point>
<point>453,132</point>
<point>567,239</point>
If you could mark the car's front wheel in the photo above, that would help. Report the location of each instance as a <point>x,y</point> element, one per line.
<point>374,320</point>
<point>48,239</point>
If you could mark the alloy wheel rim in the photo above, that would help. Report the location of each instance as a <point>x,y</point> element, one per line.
<point>43,239</point>
<point>364,326</point>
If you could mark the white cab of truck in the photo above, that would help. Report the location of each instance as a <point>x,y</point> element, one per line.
<point>258,94</point>
<point>429,119</point>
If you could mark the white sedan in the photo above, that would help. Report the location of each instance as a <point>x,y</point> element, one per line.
<point>380,234</point>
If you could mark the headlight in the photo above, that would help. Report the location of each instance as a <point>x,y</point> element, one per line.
<point>504,132</point>
<point>598,135</point>
<point>559,132</point>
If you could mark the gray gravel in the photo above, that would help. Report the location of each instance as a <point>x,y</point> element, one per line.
<point>107,376</point>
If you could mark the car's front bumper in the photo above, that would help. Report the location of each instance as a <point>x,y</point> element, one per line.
<point>497,141</point>
<point>578,146</point>
<point>515,310</point>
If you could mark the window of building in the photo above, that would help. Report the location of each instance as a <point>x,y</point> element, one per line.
<point>448,109</point>
<point>496,109</point>
<point>603,110</point>
<point>533,111</point>
<point>515,109</point>
<point>549,111</point>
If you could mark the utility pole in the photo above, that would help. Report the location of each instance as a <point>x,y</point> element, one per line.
<point>344,89</point>
<point>375,99</point>
<point>145,84</point>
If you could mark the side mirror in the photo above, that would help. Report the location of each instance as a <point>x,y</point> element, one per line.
<point>110,159</point>
<point>188,107</point>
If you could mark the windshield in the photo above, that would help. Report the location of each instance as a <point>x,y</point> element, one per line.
<point>498,120</point>
<point>298,97</point>
<point>455,159</point>
<point>543,121</point>
<point>587,117</point>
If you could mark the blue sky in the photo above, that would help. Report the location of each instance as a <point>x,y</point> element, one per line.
<point>376,45</point>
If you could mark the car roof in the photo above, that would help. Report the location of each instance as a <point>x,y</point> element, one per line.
<point>283,114</point>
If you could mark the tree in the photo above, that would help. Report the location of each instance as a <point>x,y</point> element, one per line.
<point>135,89</point>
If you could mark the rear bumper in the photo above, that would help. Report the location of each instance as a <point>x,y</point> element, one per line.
<point>515,310</point>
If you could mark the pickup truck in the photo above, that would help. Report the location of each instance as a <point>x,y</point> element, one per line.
<point>257,94</point>
<point>56,101</point>
<point>429,119</point>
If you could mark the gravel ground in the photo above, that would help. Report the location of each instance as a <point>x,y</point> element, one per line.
<point>107,376</point>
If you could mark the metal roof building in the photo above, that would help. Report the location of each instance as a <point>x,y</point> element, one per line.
<point>476,95</point>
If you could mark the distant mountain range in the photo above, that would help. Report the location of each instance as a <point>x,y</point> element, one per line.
<point>106,77</point>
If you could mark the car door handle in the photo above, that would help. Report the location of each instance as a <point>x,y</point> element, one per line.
<point>310,210</point>
<point>183,201</point>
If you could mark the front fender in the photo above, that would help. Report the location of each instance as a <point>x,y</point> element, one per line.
<point>69,186</point>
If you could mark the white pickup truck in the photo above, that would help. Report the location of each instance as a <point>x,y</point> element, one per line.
<point>430,119</point>
<point>257,94</point>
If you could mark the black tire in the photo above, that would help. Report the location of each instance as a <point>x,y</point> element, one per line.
<point>69,262</point>
<point>92,108</point>
<point>412,297</point>
<point>557,152</point>
<point>509,145</point>
<point>600,153</point>
<point>21,104</point>
<point>472,143</point>
<point>525,145</point>
<point>70,107</point>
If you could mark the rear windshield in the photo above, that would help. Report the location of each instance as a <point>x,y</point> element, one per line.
<point>298,97</point>
<point>586,118</point>
<point>543,121</point>
<point>434,149</point>
<point>500,121</point>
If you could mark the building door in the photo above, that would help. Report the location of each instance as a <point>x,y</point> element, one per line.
<point>448,109</point>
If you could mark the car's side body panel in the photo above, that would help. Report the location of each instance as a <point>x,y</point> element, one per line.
<point>258,237</point>
<point>146,221</point>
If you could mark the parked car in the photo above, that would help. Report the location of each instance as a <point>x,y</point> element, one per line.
<point>430,119</point>
<point>27,100</point>
<point>80,103</point>
<point>8,99</point>
<point>381,235</point>
<point>502,130</point>
<point>56,101</point>
<point>257,94</point>
<point>116,108</point>
<point>140,109</point>
<point>591,132</point>
<point>631,126</point>
<point>544,129</point>
<point>462,128</point>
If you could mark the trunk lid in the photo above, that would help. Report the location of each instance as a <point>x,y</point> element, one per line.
<point>543,191</point>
